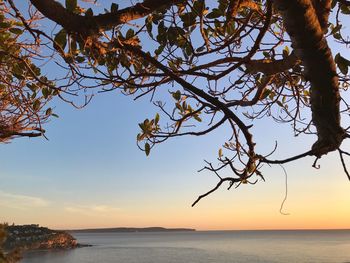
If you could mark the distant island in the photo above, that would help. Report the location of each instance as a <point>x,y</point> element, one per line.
<point>29,237</point>
<point>130,229</point>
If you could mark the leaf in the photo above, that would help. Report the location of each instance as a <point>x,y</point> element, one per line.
<point>285,52</point>
<point>130,34</point>
<point>345,9</point>
<point>159,50</point>
<point>279,103</point>
<point>71,5</point>
<point>188,19</point>
<point>200,49</point>
<point>48,112</point>
<point>265,94</point>
<point>214,14</point>
<point>220,153</point>
<point>188,50</point>
<point>199,6</point>
<point>342,63</point>
<point>197,118</point>
<point>336,29</point>
<point>149,26</point>
<point>230,28</point>
<point>36,105</point>
<point>5,25</point>
<point>33,87</point>
<point>334,3</point>
<point>156,119</point>
<point>114,8</point>
<point>177,95</point>
<point>46,92</point>
<point>60,40</point>
<point>16,31</point>
<point>89,12</point>
<point>147,148</point>
<point>266,54</point>
<point>79,59</point>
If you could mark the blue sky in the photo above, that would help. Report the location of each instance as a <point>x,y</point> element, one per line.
<point>90,173</point>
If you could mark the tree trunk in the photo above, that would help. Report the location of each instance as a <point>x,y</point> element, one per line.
<point>304,28</point>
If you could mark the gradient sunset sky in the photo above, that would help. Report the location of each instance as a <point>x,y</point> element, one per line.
<point>91,174</point>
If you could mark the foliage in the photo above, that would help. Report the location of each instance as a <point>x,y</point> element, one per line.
<point>204,64</point>
<point>10,257</point>
<point>24,91</point>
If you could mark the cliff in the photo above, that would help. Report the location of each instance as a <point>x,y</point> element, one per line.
<point>28,237</point>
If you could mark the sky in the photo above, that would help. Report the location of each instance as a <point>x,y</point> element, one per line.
<point>90,174</point>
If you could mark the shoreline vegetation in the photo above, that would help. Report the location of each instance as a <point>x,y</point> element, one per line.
<point>130,230</point>
<point>35,237</point>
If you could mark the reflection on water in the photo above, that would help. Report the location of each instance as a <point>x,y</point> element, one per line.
<point>204,247</point>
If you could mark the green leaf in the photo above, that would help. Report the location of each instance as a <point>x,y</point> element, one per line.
<point>48,112</point>
<point>177,95</point>
<point>130,34</point>
<point>147,148</point>
<point>156,119</point>
<point>265,94</point>
<point>188,19</point>
<point>197,118</point>
<point>33,87</point>
<point>345,9</point>
<point>342,63</point>
<point>36,105</point>
<point>149,26</point>
<point>336,29</point>
<point>214,14</point>
<point>159,50</point>
<point>5,25</point>
<point>200,49</point>
<point>266,54</point>
<point>60,40</point>
<point>46,92</point>
<point>334,3</point>
<point>279,103</point>
<point>188,50</point>
<point>199,6</point>
<point>80,59</point>
<point>114,8</point>
<point>230,28</point>
<point>71,5</point>
<point>16,31</point>
<point>89,12</point>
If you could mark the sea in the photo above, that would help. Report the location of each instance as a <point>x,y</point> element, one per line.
<point>290,246</point>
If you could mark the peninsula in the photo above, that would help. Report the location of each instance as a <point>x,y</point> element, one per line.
<point>28,237</point>
<point>130,229</point>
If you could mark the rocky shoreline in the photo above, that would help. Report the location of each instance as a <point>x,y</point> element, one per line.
<point>34,237</point>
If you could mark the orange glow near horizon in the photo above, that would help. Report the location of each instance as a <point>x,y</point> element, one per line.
<point>251,208</point>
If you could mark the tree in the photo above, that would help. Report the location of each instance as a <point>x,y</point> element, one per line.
<point>221,63</point>
<point>12,256</point>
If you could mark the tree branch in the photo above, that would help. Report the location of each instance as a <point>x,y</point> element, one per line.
<point>86,25</point>
<point>311,47</point>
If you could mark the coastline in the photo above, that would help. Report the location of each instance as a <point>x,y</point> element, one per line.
<point>130,230</point>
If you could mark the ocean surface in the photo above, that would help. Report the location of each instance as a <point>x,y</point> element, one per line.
<point>204,247</point>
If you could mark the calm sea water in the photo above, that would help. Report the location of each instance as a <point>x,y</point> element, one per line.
<point>204,247</point>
